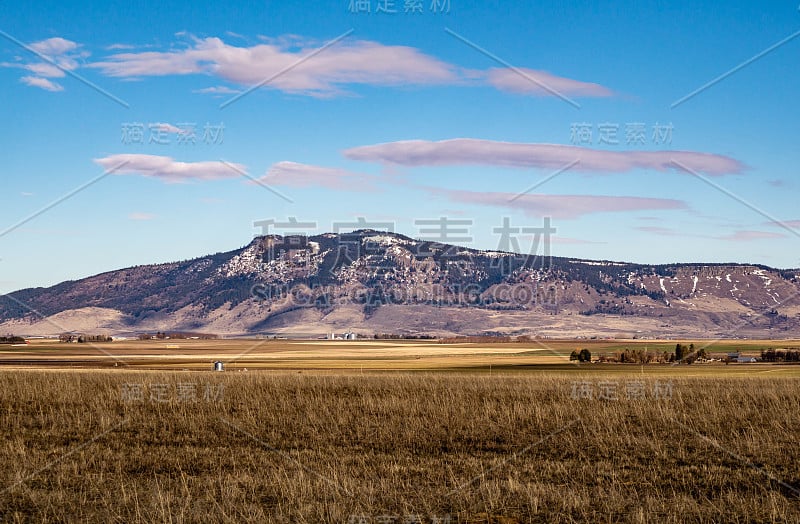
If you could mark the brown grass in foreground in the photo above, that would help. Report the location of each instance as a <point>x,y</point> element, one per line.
<point>297,448</point>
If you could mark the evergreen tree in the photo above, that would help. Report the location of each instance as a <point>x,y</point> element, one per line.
<point>679,352</point>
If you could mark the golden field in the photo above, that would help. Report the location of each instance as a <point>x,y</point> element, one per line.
<point>385,431</point>
<point>386,355</point>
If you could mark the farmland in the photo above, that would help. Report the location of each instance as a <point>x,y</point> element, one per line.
<point>372,355</point>
<point>382,431</point>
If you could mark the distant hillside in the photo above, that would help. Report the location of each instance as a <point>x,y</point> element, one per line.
<point>371,281</point>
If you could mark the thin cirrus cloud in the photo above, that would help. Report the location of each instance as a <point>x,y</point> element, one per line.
<point>55,46</point>
<point>541,83</point>
<point>360,62</point>
<point>167,169</point>
<point>558,239</point>
<point>794,224</point>
<point>165,127</point>
<point>560,206</point>
<point>217,90</point>
<point>659,230</point>
<point>118,47</point>
<point>281,60</point>
<point>748,235</point>
<point>303,175</point>
<point>742,235</point>
<point>471,151</point>
<point>59,54</point>
<point>47,85</point>
<point>345,63</point>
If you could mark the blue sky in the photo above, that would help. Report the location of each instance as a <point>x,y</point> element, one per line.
<point>141,134</point>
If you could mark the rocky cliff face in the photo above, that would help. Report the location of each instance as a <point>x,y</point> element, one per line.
<point>372,281</point>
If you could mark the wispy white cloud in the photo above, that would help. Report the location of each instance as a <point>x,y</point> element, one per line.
<point>359,62</point>
<point>168,128</point>
<point>235,35</point>
<point>541,83</point>
<point>45,69</point>
<point>794,224</point>
<point>347,63</point>
<point>44,83</point>
<point>560,206</point>
<point>56,46</point>
<point>330,72</point>
<point>660,230</point>
<point>60,55</point>
<point>470,151</point>
<point>750,235</point>
<point>742,235</point>
<point>303,175</point>
<point>168,169</point>
<point>218,90</point>
<point>778,183</point>
<point>117,47</point>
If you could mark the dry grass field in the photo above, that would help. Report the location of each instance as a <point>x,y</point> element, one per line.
<point>348,356</point>
<point>580,445</point>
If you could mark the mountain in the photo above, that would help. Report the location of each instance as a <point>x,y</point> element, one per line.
<point>378,282</point>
